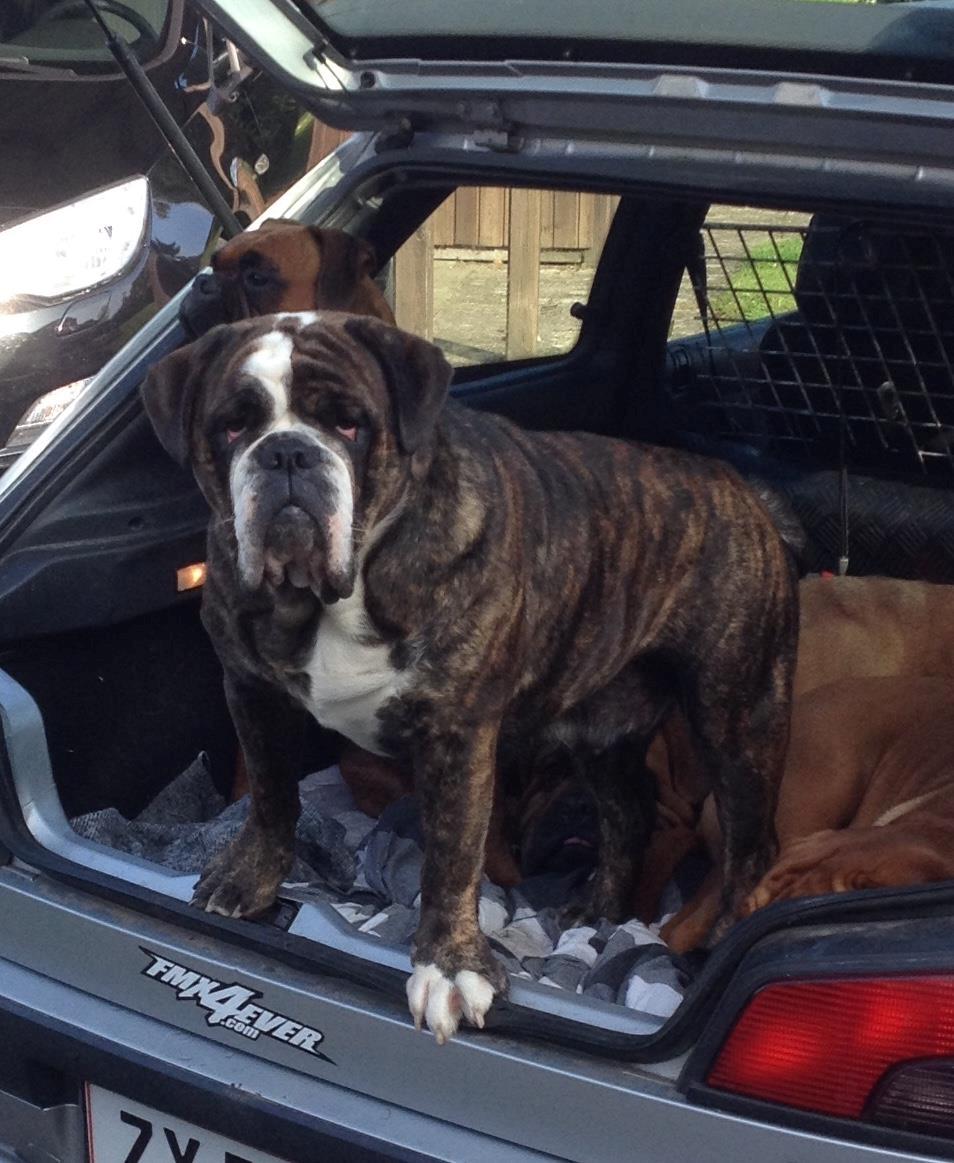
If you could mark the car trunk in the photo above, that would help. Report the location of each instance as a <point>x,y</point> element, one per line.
<point>758,329</point>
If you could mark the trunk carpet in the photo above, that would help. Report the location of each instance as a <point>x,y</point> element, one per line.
<point>369,871</point>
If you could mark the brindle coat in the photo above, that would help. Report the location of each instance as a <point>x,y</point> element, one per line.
<point>532,589</point>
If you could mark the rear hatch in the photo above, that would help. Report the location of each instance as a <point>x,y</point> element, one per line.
<point>454,65</point>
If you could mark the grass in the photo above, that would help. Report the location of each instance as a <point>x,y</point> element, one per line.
<point>761,284</point>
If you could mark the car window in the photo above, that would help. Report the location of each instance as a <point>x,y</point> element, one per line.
<point>825,339</point>
<point>494,273</point>
<point>64,32</point>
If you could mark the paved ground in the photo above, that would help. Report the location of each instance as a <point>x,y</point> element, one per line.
<point>470,297</point>
<point>470,308</point>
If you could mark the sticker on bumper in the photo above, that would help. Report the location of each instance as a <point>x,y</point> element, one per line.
<point>233,1006</point>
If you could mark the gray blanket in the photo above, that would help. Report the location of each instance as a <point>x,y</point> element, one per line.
<point>369,871</point>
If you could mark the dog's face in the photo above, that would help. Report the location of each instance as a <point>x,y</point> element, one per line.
<point>284,266</point>
<point>304,430</point>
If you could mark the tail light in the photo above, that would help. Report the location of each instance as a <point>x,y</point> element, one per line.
<point>825,1046</point>
<point>916,1097</point>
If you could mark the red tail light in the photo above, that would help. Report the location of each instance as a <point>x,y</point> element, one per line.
<point>824,1045</point>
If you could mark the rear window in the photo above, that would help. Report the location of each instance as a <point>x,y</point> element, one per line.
<point>895,40</point>
<point>53,33</point>
<point>499,273</point>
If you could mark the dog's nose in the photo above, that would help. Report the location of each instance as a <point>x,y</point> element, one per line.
<point>203,306</point>
<point>285,452</point>
<point>206,285</point>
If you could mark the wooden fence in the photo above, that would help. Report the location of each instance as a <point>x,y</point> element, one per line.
<point>520,227</point>
<point>480,217</point>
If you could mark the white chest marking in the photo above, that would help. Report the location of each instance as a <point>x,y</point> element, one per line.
<point>350,679</point>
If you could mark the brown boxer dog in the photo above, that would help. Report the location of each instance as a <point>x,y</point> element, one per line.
<point>439,585</point>
<point>867,800</point>
<point>872,629</point>
<point>284,266</point>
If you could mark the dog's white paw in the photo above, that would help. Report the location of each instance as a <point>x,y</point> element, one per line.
<point>440,1001</point>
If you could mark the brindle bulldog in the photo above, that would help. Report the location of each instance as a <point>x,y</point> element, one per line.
<point>441,586</point>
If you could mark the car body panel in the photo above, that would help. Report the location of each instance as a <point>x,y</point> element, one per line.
<point>517,95</point>
<point>523,1096</point>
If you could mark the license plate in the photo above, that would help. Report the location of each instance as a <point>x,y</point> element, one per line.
<point>123,1131</point>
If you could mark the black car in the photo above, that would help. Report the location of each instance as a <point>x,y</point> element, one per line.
<point>99,222</point>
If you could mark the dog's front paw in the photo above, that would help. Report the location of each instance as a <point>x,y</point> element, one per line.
<point>441,1001</point>
<point>577,915</point>
<point>441,992</point>
<point>243,880</point>
<point>592,904</point>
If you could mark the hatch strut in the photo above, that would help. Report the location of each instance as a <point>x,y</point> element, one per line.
<point>167,126</point>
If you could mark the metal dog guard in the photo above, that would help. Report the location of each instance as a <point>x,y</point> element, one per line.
<point>828,330</point>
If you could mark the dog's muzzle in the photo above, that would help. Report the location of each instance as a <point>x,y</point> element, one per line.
<point>207,304</point>
<point>293,516</point>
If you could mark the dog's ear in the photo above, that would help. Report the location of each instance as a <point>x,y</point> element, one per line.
<point>416,372</point>
<point>171,388</point>
<point>345,261</point>
<point>278,224</point>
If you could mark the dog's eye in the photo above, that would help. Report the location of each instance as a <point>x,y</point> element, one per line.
<point>349,433</point>
<point>236,424</point>
<point>255,280</point>
<point>239,415</point>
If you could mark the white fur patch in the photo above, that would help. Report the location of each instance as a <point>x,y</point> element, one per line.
<point>244,504</point>
<point>350,673</point>
<point>440,1002</point>
<point>270,365</point>
<point>900,810</point>
<point>302,318</point>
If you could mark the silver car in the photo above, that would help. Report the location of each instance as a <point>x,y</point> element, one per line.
<point>724,227</point>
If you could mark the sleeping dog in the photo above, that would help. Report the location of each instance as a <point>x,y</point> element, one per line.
<point>866,801</point>
<point>868,795</point>
<point>444,587</point>
<point>882,641</point>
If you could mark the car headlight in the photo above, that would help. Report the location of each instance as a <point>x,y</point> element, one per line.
<point>76,246</point>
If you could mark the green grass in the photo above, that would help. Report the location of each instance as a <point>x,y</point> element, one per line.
<point>761,286</point>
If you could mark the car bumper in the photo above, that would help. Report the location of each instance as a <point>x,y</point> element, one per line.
<point>77,1000</point>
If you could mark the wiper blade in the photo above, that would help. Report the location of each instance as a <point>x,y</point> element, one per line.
<point>22,66</point>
